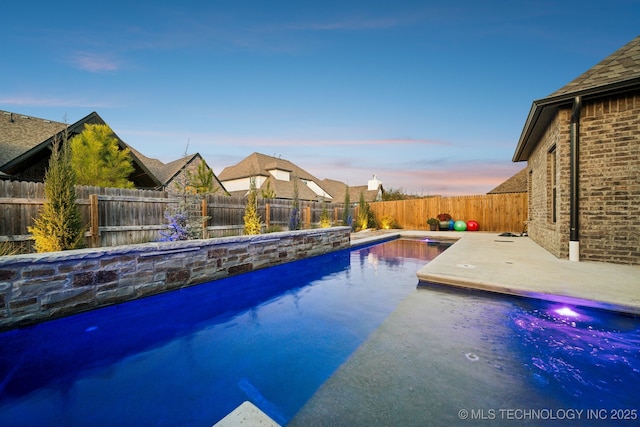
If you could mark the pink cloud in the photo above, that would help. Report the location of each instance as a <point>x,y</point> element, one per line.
<point>456,179</point>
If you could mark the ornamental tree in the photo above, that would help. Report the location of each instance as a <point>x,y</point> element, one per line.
<point>252,221</point>
<point>294,215</point>
<point>98,160</point>
<point>59,225</point>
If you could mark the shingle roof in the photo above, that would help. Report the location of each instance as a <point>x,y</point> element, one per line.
<point>337,191</point>
<point>261,164</point>
<point>21,136</point>
<point>623,64</point>
<point>257,164</point>
<point>163,171</point>
<point>617,73</point>
<point>20,133</point>
<point>516,184</point>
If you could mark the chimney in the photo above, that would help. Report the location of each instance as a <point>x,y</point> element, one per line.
<point>374,183</point>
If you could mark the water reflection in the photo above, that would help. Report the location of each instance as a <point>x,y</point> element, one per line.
<point>584,354</point>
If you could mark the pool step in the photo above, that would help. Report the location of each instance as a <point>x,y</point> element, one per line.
<point>247,414</point>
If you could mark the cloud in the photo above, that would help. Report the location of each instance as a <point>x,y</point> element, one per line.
<point>94,62</point>
<point>260,142</point>
<point>349,25</point>
<point>40,101</point>
<point>445,179</point>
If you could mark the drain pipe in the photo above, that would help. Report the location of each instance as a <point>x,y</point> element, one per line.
<point>574,240</point>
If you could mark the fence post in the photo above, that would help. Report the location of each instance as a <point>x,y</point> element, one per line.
<point>267,214</point>
<point>94,220</point>
<point>203,211</point>
<point>307,220</point>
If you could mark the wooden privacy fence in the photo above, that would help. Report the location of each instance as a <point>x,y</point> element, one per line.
<point>112,216</point>
<point>226,214</point>
<point>116,216</point>
<point>493,212</point>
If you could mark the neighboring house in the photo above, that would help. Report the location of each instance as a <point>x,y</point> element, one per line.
<point>275,175</point>
<point>516,184</point>
<point>172,175</point>
<point>25,149</point>
<point>373,191</point>
<point>582,148</point>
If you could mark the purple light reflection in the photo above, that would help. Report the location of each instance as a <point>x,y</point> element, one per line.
<point>566,312</point>
<point>593,355</point>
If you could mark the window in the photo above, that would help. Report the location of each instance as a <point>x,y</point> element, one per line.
<point>553,193</point>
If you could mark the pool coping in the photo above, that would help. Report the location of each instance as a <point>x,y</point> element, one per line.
<point>518,266</point>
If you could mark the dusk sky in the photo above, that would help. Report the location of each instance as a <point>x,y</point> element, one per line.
<point>429,96</point>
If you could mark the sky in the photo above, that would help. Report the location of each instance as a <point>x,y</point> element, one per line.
<point>431,97</point>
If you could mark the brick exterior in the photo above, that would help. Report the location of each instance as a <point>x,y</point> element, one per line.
<point>609,182</point>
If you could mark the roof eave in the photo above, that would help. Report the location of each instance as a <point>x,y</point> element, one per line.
<point>543,110</point>
<point>46,144</point>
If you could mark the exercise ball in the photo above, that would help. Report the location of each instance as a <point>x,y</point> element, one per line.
<point>472,225</point>
<point>460,226</point>
<point>451,224</point>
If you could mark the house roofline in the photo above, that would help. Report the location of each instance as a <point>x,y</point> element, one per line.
<point>543,110</point>
<point>49,141</point>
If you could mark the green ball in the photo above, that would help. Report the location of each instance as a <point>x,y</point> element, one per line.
<point>460,226</point>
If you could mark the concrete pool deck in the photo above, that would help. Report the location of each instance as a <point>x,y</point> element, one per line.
<point>518,266</point>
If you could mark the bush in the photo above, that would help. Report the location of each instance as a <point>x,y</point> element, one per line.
<point>7,248</point>
<point>364,216</point>
<point>325,221</point>
<point>252,221</point>
<point>388,221</point>
<point>294,216</point>
<point>177,228</point>
<point>58,226</point>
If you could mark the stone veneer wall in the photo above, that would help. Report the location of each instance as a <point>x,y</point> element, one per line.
<point>38,287</point>
<point>609,182</point>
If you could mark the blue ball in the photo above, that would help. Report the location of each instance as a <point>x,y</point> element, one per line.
<point>451,224</point>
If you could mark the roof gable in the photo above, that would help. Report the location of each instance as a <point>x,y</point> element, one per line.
<point>20,133</point>
<point>261,164</point>
<point>516,184</point>
<point>23,138</point>
<point>338,189</point>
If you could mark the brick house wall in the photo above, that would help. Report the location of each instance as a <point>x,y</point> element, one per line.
<point>553,236</point>
<point>609,182</point>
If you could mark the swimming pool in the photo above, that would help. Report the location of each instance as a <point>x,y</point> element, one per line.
<point>189,357</point>
<point>448,356</point>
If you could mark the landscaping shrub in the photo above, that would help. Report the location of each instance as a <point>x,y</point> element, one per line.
<point>58,226</point>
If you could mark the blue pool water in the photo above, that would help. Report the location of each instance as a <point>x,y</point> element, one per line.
<point>454,357</point>
<point>189,357</point>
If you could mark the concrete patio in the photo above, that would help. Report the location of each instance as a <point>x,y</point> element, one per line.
<point>518,266</point>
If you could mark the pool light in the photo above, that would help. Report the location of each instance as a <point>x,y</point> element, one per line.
<point>566,312</point>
